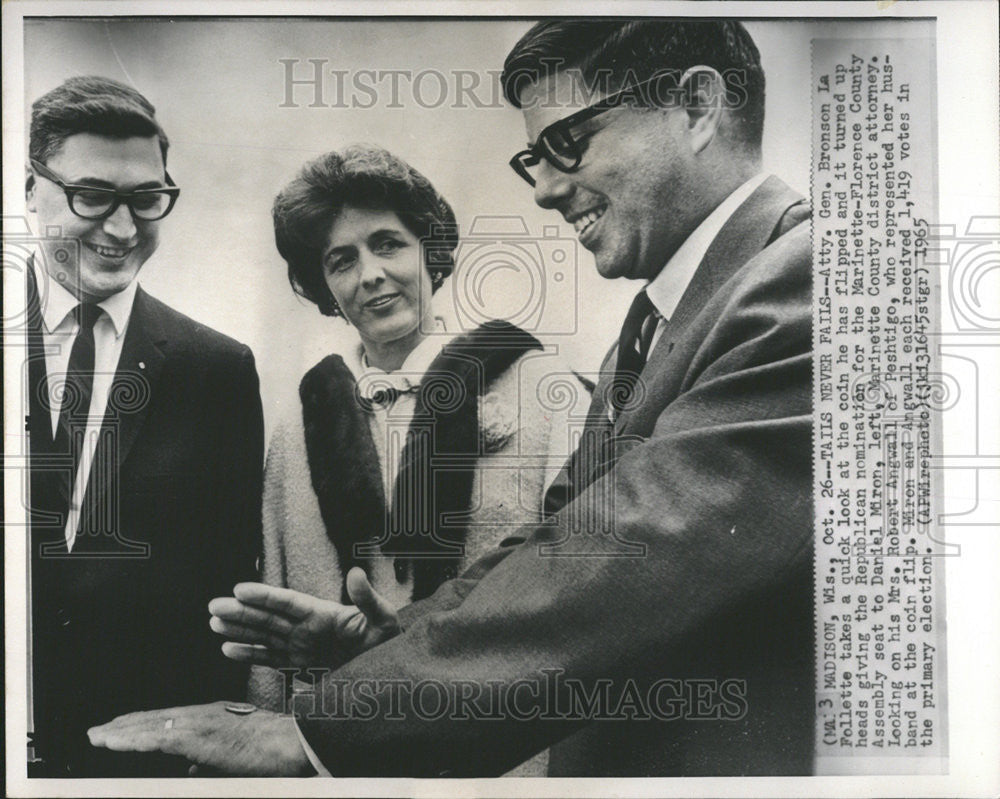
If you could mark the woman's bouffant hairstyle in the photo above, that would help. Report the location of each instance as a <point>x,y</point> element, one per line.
<point>360,176</point>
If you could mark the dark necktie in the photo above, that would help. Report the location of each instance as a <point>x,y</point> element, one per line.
<point>633,348</point>
<point>78,389</point>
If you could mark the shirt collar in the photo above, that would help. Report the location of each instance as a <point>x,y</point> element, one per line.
<point>119,307</point>
<point>413,369</point>
<point>667,288</point>
<point>59,302</point>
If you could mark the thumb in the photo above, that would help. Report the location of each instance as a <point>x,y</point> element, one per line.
<point>376,609</point>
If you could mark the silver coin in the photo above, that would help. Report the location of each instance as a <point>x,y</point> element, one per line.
<point>240,708</point>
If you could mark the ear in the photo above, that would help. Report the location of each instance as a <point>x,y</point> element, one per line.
<point>29,188</point>
<point>705,103</point>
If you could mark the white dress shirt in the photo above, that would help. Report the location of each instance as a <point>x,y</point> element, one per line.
<point>59,329</point>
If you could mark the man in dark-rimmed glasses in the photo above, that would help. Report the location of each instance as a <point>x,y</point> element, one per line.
<point>145,442</point>
<point>671,591</point>
<point>660,622</point>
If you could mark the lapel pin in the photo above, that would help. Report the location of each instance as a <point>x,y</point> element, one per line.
<point>142,364</point>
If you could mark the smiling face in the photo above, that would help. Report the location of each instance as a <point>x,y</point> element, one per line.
<point>631,198</point>
<point>111,251</point>
<point>374,267</point>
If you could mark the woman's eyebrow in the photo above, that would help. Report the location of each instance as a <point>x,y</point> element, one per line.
<point>385,232</point>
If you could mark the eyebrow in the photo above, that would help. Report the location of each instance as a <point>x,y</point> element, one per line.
<point>386,231</point>
<point>375,234</point>
<point>98,183</point>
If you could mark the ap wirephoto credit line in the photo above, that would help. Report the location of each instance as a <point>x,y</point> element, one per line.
<point>482,400</point>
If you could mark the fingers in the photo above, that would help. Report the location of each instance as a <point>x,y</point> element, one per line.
<point>293,604</point>
<point>168,730</point>
<point>245,623</point>
<point>248,635</point>
<point>215,740</point>
<point>143,740</point>
<point>139,720</point>
<point>233,610</point>
<point>189,743</point>
<point>257,655</point>
<point>376,609</point>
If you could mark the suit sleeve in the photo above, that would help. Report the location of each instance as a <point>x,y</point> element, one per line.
<point>718,503</point>
<point>238,539</point>
<point>266,685</point>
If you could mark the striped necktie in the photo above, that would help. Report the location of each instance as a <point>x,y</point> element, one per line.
<point>633,348</point>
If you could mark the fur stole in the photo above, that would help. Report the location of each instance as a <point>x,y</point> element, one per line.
<point>425,528</point>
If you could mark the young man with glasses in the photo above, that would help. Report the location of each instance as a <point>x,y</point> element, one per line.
<point>660,622</point>
<point>146,443</point>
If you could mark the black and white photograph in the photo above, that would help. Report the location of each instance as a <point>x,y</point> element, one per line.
<point>447,399</point>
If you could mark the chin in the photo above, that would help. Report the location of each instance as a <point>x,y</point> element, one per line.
<point>392,331</point>
<point>103,289</point>
<point>611,271</point>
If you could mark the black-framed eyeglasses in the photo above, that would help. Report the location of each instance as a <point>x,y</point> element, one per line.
<point>556,143</point>
<point>92,202</point>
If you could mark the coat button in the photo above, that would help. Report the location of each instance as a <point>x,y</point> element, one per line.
<point>63,617</point>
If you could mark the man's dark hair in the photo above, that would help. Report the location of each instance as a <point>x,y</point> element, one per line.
<point>360,176</point>
<point>625,51</point>
<point>90,104</point>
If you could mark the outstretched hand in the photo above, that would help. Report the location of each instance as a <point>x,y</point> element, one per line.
<point>280,627</point>
<point>217,742</point>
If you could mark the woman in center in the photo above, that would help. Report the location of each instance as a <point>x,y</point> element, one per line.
<point>422,448</point>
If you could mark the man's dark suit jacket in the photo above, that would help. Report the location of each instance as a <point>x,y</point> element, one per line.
<point>710,475</point>
<point>121,623</point>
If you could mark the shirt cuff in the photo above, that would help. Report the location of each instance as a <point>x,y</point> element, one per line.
<point>321,770</point>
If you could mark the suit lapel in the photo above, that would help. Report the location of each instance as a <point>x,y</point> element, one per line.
<point>748,231</point>
<point>48,500</point>
<point>137,374</point>
<point>39,418</point>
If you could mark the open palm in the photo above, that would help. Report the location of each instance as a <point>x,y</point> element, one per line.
<point>280,627</point>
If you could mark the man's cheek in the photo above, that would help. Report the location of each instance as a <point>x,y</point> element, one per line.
<point>147,246</point>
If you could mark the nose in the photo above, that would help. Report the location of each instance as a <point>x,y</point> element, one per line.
<point>372,272</point>
<point>120,224</point>
<point>552,186</point>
